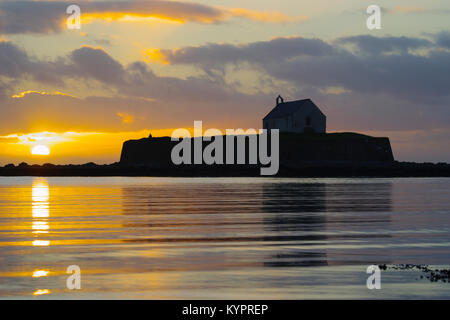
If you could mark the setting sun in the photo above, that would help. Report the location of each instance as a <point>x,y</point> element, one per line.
<point>40,150</point>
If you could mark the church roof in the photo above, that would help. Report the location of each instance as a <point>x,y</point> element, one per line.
<point>286,108</point>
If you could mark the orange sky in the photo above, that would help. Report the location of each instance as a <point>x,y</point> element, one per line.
<point>139,67</point>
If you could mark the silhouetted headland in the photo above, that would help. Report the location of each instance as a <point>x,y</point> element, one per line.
<point>301,155</point>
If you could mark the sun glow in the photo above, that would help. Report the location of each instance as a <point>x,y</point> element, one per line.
<point>40,273</point>
<point>71,146</point>
<point>40,211</point>
<point>41,243</point>
<point>40,150</point>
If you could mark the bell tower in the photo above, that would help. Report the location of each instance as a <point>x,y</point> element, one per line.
<point>280,100</point>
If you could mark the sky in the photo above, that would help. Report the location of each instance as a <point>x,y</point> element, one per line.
<point>140,67</point>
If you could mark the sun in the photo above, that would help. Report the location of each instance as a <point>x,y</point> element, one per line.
<point>40,150</point>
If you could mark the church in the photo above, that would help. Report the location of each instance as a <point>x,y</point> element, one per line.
<point>300,116</point>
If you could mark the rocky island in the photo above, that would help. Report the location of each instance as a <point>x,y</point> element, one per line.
<point>301,155</point>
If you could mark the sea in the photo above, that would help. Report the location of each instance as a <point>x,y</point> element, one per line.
<point>222,238</point>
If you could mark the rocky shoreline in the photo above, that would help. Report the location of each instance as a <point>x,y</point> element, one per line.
<point>307,170</point>
<point>434,275</point>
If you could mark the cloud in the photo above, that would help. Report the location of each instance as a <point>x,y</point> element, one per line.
<point>178,103</point>
<point>383,65</point>
<point>166,10</point>
<point>96,63</point>
<point>14,62</point>
<point>126,117</point>
<point>274,17</point>
<point>135,80</point>
<point>406,9</point>
<point>277,49</point>
<point>32,17</point>
<point>139,99</point>
<point>50,17</point>
<point>25,93</point>
<point>153,55</point>
<point>9,139</point>
<point>377,45</point>
<point>85,62</point>
<point>443,39</point>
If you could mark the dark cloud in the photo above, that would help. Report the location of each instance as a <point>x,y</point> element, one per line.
<point>50,16</point>
<point>14,62</point>
<point>32,17</point>
<point>85,62</point>
<point>151,100</point>
<point>141,81</point>
<point>312,62</point>
<point>406,76</point>
<point>184,11</point>
<point>97,64</point>
<point>303,62</point>
<point>214,55</point>
<point>374,45</point>
<point>443,39</point>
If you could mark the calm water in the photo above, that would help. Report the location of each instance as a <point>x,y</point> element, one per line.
<point>178,238</point>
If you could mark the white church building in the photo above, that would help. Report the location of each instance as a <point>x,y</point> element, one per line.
<point>300,116</point>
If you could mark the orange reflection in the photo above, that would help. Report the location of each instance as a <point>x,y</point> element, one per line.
<point>40,273</point>
<point>41,243</point>
<point>41,292</point>
<point>40,209</point>
<point>40,191</point>
<point>40,197</point>
<point>40,227</point>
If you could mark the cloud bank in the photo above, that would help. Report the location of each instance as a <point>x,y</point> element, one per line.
<point>403,67</point>
<point>49,17</point>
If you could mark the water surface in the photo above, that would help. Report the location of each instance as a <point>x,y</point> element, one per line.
<point>236,238</point>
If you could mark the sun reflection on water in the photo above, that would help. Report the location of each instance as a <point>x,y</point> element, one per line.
<point>41,243</point>
<point>40,211</point>
<point>40,273</point>
<point>40,197</point>
<point>41,292</point>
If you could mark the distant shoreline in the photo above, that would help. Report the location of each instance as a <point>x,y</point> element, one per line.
<point>307,170</point>
<point>301,155</point>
